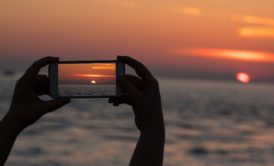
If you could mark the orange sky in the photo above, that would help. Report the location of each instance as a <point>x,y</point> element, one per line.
<point>99,73</point>
<point>147,30</point>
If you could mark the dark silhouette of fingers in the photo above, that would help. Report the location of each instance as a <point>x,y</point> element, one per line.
<point>41,85</point>
<point>128,87</point>
<point>119,100</point>
<point>136,81</point>
<point>137,121</point>
<point>55,104</point>
<point>36,66</point>
<point>114,101</point>
<point>140,69</point>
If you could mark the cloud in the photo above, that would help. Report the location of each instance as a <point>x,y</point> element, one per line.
<point>192,11</point>
<point>228,54</point>
<point>264,26</point>
<point>249,19</point>
<point>257,32</point>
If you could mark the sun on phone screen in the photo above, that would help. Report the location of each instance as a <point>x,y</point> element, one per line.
<point>92,79</point>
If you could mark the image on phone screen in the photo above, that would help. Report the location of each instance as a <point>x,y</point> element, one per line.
<point>86,79</point>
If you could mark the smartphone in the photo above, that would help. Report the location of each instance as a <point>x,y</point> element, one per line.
<point>86,79</point>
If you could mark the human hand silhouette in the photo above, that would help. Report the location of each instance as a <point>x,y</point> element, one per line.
<point>142,93</point>
<point>26,107</point>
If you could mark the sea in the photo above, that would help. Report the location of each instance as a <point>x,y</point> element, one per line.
<point>86,90</point>
<point>216,123</point>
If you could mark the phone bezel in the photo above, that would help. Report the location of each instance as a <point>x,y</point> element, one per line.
<point>53,77</point>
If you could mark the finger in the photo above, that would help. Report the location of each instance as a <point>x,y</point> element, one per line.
<point>140,69</point>
<point>138,122</point>
<point>36,66</point>
<point>41,85</point>
<point>119,100</point>
<point>115,102</point>
<point>128,87</point>
<point>55,104</point>
<point>136,81</point>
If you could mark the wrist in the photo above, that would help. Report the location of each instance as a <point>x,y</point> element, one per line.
<point>153,121</point>
<point>12,124</point>
<point>156,126</point>
<point>154,133</point>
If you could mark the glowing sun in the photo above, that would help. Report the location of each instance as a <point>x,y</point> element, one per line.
<point>93,82</point>
<point>243,77</point>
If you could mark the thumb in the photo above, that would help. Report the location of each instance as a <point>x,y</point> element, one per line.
<point>52,105</point>
<point>128,87</point>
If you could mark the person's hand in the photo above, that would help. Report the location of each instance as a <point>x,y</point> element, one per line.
<point>143,94</point>
<point>26,107</point>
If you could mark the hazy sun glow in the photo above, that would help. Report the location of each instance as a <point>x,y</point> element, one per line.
<point>257,32</point>
<point>192,11</point>
<point>94,75</point>
<point>241,55</point>
<point>249,19</point>
<point>110,67</point>
<point>238,35</point>
<point>87,73</point>
<point>243,77</point>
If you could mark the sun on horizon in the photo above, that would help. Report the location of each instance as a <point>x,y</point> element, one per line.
<point>243,78</point>
<point>93,82</point>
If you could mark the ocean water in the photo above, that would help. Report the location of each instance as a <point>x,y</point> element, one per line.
<point>207,123</point>
<point>87,90</point>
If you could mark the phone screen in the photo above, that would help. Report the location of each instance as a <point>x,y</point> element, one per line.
<point>87,79</point>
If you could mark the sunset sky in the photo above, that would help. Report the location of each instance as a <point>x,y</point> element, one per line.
<point>87,74</point>
<point>176,38</point>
